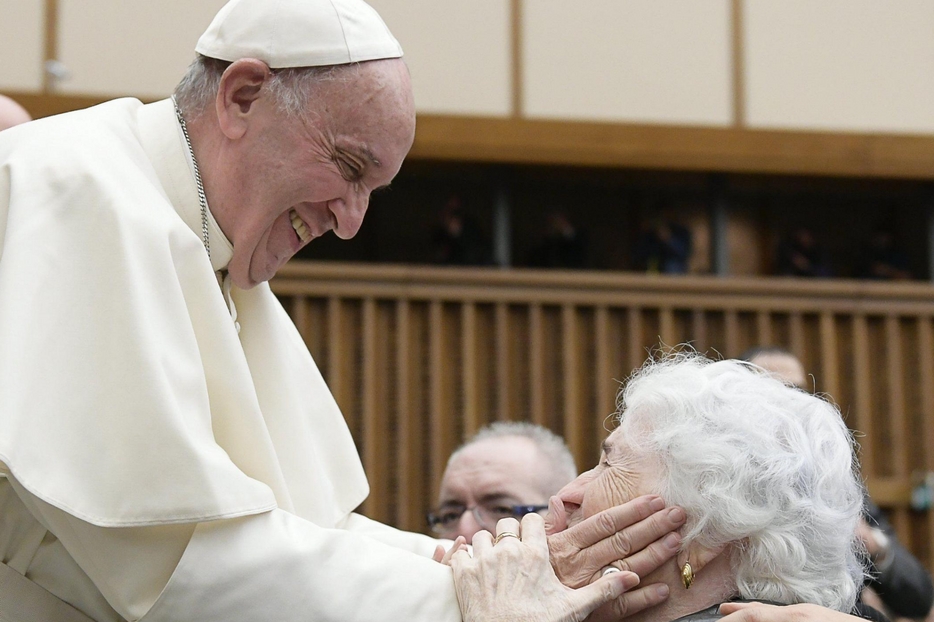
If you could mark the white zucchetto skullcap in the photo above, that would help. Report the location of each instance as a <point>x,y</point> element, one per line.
<point>298,33</point>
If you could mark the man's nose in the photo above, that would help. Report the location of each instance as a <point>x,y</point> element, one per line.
<point>467,526</point>
<point>349,214</point>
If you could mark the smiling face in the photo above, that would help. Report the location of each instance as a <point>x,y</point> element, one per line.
<point>291,179</point>
<point>620,476</point>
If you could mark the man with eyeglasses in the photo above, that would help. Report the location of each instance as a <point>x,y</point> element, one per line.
<point>505,470</point>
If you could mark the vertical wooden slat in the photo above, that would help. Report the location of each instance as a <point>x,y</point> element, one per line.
<point>373,426</point>
<point>926,379</point>
<point>666,328</point>
<point>763,328</point>
<point>411,497</point>
<point>536,364</point>
<point>336,350</point>
<point>603,381</point>
<point>699,330</point>
<point>469,388</point>
<point>863,394</point>
<point>298,310</point>
<point>796,334</point>
<point>896,418</point>
<point>573,417</point>
<point>637,352</point>
<point>830,368</point>
<point>441,424</point>
<point>504,410</point>
<point>731,330</point>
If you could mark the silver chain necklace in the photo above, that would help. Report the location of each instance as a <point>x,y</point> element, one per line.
<point>202,198</point>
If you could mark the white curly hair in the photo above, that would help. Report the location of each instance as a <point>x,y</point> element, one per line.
<point>763,468</point>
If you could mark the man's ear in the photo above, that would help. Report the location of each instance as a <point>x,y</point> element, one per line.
<point>237,94</point>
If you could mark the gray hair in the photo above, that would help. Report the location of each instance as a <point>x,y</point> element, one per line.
<point>757,464</point>
<point>550,445</point>
<point>291,88</point>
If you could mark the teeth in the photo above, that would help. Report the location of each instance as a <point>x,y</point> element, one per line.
<point>299,225</point>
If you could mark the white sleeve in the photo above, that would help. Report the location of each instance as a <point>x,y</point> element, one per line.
<point>414,542</point>
<point>275,566</point>
<point>270,566</point>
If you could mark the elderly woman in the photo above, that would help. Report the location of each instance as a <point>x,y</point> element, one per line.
<point>765,472</point>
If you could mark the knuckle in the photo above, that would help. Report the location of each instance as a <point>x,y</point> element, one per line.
<point>605,523</point>
<point>622,543</point>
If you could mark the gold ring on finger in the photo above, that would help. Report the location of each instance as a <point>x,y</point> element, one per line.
<point>505,534</point>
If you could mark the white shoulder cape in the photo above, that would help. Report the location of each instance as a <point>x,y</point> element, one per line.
<point>126,395</point>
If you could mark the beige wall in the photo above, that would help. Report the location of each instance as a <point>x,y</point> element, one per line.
<point>844,65</point>
<point>643,61</point>
<point>114,47</point>
<point>21,44</point>
<point>835,65</point>
<point>459,53</point>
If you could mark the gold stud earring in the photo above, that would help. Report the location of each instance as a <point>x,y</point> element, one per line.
<point>687,575</point>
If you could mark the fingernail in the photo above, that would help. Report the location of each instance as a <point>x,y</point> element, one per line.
<point>662,591</point>
<point>672,541</point>
<point>676,514</point>
<point>657,504</point>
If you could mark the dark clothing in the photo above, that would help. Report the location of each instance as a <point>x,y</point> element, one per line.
<point>903,585</point>
<point>461,246</point>
<point>666,249</point>
<point>560,251</point>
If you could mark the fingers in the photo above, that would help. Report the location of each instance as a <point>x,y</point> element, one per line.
<point>631,602</point>
<point>613,520</point>
<point>557,518</point>
<point>634,539</point>
<point>482,542</point>
<point>438,555</point>
<point>653,556</point>
<point>533,532</point>
<point>607,589</point>
<point>460,544</point>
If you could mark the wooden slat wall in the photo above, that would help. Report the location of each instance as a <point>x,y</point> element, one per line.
<point>420,357</point>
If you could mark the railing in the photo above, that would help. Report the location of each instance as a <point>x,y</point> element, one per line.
<point>420,357</point>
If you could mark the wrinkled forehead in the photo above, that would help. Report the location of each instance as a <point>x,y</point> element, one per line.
<point>497,467</point>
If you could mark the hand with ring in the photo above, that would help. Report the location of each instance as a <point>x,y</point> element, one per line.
<point>637,536</point>
<point>510,577</point>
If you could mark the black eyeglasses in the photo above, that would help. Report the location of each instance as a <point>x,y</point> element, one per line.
<point>444,520</point>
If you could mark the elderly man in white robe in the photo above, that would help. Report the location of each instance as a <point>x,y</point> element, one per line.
<point>168,449</point>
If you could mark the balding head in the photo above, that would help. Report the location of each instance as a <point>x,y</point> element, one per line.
<point>11,113</point>
<point>779,363</point>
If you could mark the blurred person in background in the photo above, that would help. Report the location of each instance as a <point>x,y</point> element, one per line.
<point>799,254</point>
<point>664,247</point>
<point>458,239</point>
<point>883,258</point>
<point>505,469</point>
<point>564,245</point>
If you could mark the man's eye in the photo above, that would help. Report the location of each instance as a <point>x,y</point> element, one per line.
<point>502,511</point>
<point>349,167</point>
<point>450,517</point>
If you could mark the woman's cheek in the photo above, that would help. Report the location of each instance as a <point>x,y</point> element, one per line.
<point>614,487</point>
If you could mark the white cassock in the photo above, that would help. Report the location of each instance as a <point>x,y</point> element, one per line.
<point>154,463</point>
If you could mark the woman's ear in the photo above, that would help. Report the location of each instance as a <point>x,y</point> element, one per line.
<point>237,93</point>
<point>698,556</point>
